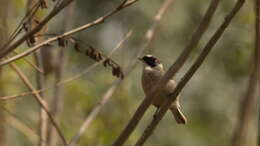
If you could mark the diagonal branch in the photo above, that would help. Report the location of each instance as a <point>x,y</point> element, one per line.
<point>39,99</point>
<point>170,73</point>
<point>101,19</point>
<point>172,97</point>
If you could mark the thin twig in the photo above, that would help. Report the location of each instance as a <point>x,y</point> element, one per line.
<point>39,99</point>
<point>172,97</point>
<point>23,94</point>
<point>170,73</point>
<point>101,19</point>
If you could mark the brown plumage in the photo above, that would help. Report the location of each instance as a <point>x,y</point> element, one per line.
<point>152,73</point>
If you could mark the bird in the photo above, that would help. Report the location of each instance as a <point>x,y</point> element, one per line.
<point>153,71</point>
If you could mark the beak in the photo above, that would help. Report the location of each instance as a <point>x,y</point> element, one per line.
<point>140,59</point>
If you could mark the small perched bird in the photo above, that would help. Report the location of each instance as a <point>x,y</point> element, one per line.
<point>153,71</point>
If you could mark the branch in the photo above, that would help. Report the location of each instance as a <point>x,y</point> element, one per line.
<point>123,5</point>
<point>172,97</point>
<point>39,99</point>
<point>170,73</point>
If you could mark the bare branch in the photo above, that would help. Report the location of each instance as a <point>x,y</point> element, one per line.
<point>172,97</point>
<point>69,33</point>
<point>39,99</point>
<point>170,73</point>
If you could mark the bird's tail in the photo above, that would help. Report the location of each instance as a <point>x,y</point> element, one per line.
<point>178,115</point>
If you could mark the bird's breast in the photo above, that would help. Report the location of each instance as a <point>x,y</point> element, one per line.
<point>150,80</point>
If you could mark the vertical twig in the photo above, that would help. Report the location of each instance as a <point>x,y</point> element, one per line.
<point>40,81</point>
<point>257,60</point>
<point>247,103</point>
<point>198,62</point>
<point>171,72</point>
<point>57,100</point>
<point>40,78</point>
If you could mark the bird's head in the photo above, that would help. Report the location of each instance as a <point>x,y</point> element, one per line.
<point>151,61</point>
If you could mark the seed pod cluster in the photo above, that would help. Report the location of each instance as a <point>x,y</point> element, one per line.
<point>96,55</point>
<point>62,42</point>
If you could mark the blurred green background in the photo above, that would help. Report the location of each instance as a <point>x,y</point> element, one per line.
<point>210,100</point>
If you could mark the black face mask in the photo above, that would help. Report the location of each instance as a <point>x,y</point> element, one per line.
<point>151,61</point>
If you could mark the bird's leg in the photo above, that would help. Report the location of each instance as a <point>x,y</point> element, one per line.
<point>156,112</point>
